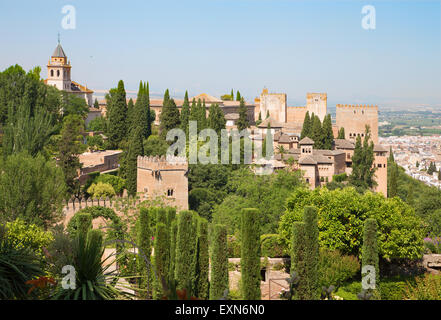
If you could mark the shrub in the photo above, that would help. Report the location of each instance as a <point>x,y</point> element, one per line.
<point>118,184</point>
<point>433,245</point>
<point>250,255</point>
<point>335,268</point>
<point>101,190</point>
<point>393,288</point>
<point>427,287</point>
<point>271,246</point>
<point>219,263</point>
<point>340,177</point>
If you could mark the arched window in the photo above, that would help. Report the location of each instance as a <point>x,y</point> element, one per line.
<point>52,73</point>
<point>170,193</point>
<point>58,73</point>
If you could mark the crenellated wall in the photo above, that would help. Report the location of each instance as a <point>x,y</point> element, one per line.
<point>354,119</point>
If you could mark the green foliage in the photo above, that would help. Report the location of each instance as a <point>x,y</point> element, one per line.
<point>216,119</point>
<point>271,246</point>
<point>173,236</point>
<point>242,122</point>
<point>219,263</point>
<point>135,149</point>
<point>298,259</point>
<point>143,240</point>
<point>185,114</point>
<point>268,154</point>
<point>202,266</point>
<point>370,248</point>
<point>98,124</point>
<point>328,134</point>
<point>335,268</point>
<point>101,190</point>
<point>32,189</point>
<point>312,252</point>
<point>170,116</point>
<point>18,264</point>
<point>117,115</point>
<point>427,287</point>
<point>140,116</point>
<point>31,236</point>
<point>392,181</point>
<point>317,132</point>
<point>162,258</point>
<point>155,146</point>
<point>341,133</point>
<point>233,247</point>
<point>341,215</point>
<point>307,126</point>
<point>363,171</point>
<point>185,249</point>
<point>250,254</point>
<point>118,184</point>
<point>340,177</point>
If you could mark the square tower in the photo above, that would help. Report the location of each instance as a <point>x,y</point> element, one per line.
<point>59,70</point>
<point>317,103</point>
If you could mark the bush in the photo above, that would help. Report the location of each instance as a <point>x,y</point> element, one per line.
<point>393,288</point>
<point>118,184</point>
<point>433,245</point>
<point>340,177</point>
<point>335,268</point>
<point>101,190</point>
<point>427,287</point>
<point>271,246</point>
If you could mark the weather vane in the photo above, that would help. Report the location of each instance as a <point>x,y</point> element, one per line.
<point>58,38</point>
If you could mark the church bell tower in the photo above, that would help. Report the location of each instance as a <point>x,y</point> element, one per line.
<point>59,70</point>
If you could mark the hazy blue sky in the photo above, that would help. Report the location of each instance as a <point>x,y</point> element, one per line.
<point>212,46</point>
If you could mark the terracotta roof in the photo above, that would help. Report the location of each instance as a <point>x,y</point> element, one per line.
<point>208,98</point>
<point>306,141</point>
<point>307,160</point>
<point>380,148</point>
<point>284,138</point>
<point>75,86</point>
<point>344,144</point>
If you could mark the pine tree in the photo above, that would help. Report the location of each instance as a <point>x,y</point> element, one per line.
<point>341,133</point>
<point>306,128</point>
<point>135,149</point>
<point>145,248</point>
<point>369,251</point>
<point>162,259</point>
<point>202,266</point>
<point>117,115</point>
<point>328,134</point>
<point>238,96</point>
<point>185,114</point>
<point>250,255</point>
<point>312,252</point>
<point>242,122</point>
<point>219,263</point>
<point>170,116</point>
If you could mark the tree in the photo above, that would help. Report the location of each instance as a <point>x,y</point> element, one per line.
<point>342,212</point>
<point>391,155</point>
<point>97,124</point>
<point>363,171</point>
<point>173,236</point>
<point>185,114</point>
<point>439,175</point>
<point>317,132</point>
<point>32,189</point>
<point>101,190</point>
<point>306,128</point>
<point>232,95</point>
<point>96,105</point>
<point>170,116</point>
<point>162,259</point>
<point>238,96</point>
<point>341,133</point>
<point>328,134</point>
<point>155,146</point>
<point>117,115</point>
<point>392,189</point>
<point>431,169</point>
<point>219,263</point>
<point>185,251</point>
<point>70,146</point>
<point>268,154</point>
<point>140,117</point>
<point>370,249</point>
<point>250,255</point>
<point>242,122</point>
<point>145,248</point>
<point>312,252</point>
<point>202,266</point>
<point>135,149</point>
<point>298,259</point>
<point>216,119</point>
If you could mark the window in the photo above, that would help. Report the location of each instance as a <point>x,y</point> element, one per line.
<point>146,190</point>
<point>170,193</point>
<point>58,73</point>
<point>52,73</point>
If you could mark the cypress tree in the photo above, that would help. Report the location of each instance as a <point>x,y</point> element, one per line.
<point>83,223</point>
<point>391,155</point>
<point>117,115</point>
<point>162,259</point>
<point>250,255</point>
<point>216,119</point>
<point>317,132</point>
<point>238,96</point>
<point>202,116</point>
<point>150,113</point>
<point>268,137</point>
<point>140,117</point>
<point>306,129</point>
<point>135,149</point>
<point>392,189</point>
<point>362,162</point>
<point>185,114</point>
<point>410,196</point>
<point>242,122</point>
<point>341,133</point>
<point>143,241</point>
<point>439,174</point>
<point>219,263</point>
<point>130,114</point>
<point>370,248</point>
<point>174,231</point>
<point>267,114</point>
<point>202,267</point>
<point>170,116</point>
<point>171,216</point>
<point>185,250</point>
<point>299,260</point>
<point>96,104</point>
<point>232,95</point>
<point>328,134</point>
<point>311,253</point>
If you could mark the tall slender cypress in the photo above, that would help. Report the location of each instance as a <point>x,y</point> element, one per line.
<point>219,263</point>
<point>117,115</point>
<point>162,259</point>
<point>185,114</point>
<point>185,249</point>
<point>145,248</point>
<point>312,252</point>
<point>202,266</point>
<point>306,128</point>
<point>299,260</point>
<point>135,149</point>
<point>369,253</point>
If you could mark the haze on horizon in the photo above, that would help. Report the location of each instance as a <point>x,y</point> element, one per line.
<point>214,46</point>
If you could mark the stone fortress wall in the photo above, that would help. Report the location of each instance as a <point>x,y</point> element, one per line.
<point>354,119</point>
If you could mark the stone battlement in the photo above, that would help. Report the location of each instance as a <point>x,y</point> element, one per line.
<point>163,162</point>
<point>361,106</point>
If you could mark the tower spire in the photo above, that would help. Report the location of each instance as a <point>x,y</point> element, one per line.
<point>59,41</point>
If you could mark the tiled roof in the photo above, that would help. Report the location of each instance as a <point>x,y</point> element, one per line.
<point>344,144</point>
<point>307,160</point>
<point>380,148</point>
<point>59,52</point>
<point>306,141</point>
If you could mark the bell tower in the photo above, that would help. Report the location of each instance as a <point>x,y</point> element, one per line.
<point>59,70</point>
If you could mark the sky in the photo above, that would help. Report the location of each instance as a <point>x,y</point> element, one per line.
<point>213,46</point>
